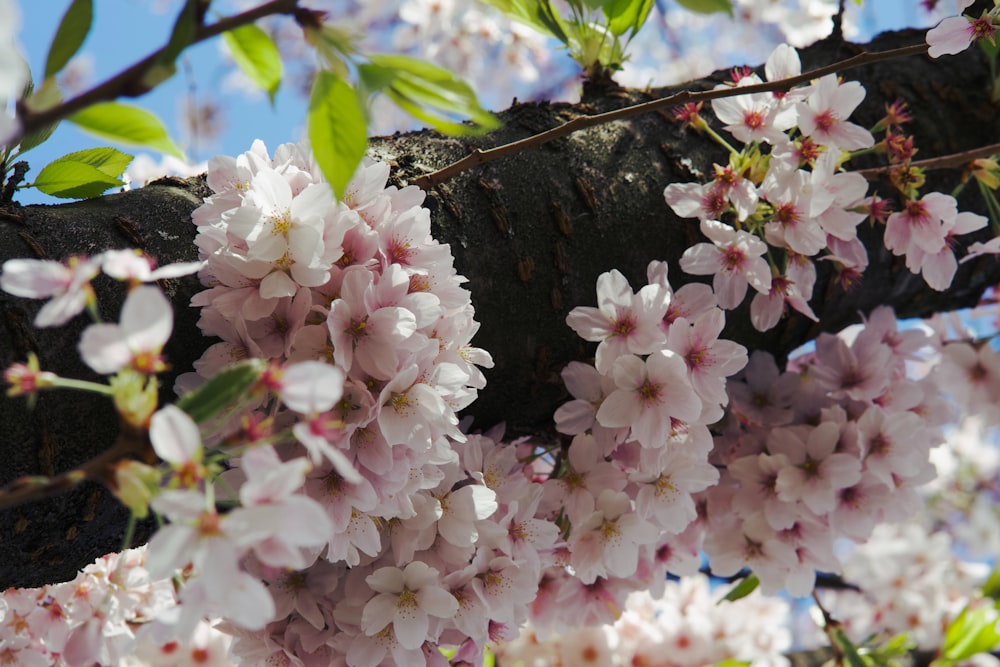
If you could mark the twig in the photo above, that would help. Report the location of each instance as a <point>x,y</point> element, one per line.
<point>943,162</point>
<point>119,84</point>
<point>478,156</point>
<point>131,442</point>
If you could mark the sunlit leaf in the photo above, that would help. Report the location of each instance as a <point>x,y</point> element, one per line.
<point>747,586</point>
<point>537,14</point>
<point>127,125</point>
<point>72,31</point>
<point>431,94</point>
<point>338,129</point>
<point>257,55</point>
<point>71,179</point>
<point>707,6</point>
<point>626,15</point>
<point>847,648</point>
<point>973,631</point>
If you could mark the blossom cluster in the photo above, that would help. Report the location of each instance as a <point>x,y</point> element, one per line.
<point>912,582</point>
<point>784,200</point>
<point>101,617</point>
<point>690,623</point>
<point>820,453</point>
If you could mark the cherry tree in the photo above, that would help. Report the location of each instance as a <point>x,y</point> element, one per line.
<point>481,393</point>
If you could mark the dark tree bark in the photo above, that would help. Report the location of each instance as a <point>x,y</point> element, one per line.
<point>531,232</point>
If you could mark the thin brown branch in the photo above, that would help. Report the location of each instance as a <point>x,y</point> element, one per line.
<point>950,161</point>
<point>131,443</point>
<point>479,157</point>
<point>123,84</point>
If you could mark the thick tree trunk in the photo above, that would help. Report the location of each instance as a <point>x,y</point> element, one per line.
<point>531,232</point>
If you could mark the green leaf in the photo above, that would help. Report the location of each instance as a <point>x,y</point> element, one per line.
<point>128,125</point>
<point>707,6</point>
<point>537,14</point>
<point>226,388</point>
<point>257,55</point>
<point>71,179</point>
<point>431,94</point>
<point>731,663</point>
<point>338,129</point>
<point>73,29</point>
<point>110,161</point>
<point>742,589</point>
<point>626,15</point>
<point>991,588</point>
<point>847,648</point>
<point>973,631</point>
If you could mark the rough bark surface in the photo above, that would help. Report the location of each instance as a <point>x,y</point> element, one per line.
<point>531,232</point>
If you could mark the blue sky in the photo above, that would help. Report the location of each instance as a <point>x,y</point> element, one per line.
<point>126,30</point>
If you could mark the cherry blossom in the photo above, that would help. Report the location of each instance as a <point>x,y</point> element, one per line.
<point>623,322</point>
<point>406,599</point>
<point>147,320</point>
<point>734,259</point>
<point>68,284</point>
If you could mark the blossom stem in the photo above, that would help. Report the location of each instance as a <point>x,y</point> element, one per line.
<point>83,385</point>
<point>129,532</point>
<point>992,206</point>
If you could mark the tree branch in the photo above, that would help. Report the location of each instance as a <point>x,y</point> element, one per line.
<point>124,83</point>
<point>480,157</point>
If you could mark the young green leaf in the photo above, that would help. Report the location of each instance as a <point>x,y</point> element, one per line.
<point>257,55</point>
<point>126,124</point>
<point>707,6</point>
<point>70,179</point>
<point>338,129</point>
<point>110,161</point>
<point>973,631</point>
<point>747,586</point>
<point>847,648</point>
<point>627,15</point>
<point>991,588</point>
<point>433,95</point>
<point>222,391</point>
<point>73,29</point>
<point>537,14</point>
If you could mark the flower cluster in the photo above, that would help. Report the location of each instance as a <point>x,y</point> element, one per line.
<point>912,582</point>
<point>639,421</point>
<point>823,453</point>
<point>689,622</point>
<point>101,617</point>
<point>784,200</point>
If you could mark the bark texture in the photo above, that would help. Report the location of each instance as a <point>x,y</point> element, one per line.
<point>531,232</point>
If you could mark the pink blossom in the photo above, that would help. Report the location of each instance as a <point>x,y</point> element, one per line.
<point>955,33</point>
<point>607,542</point>
<point>752,117</point>
<point>68,285</point>
<point>709,360</point>
<point>859,371</point>
<point>817,471</point>
<point>734,259</point>
<point>649,394</point>
<point>406,599</point>
<point>136,266</point>
<point>147,320</point>
<point>623,322</point>
<point>823,116</point>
